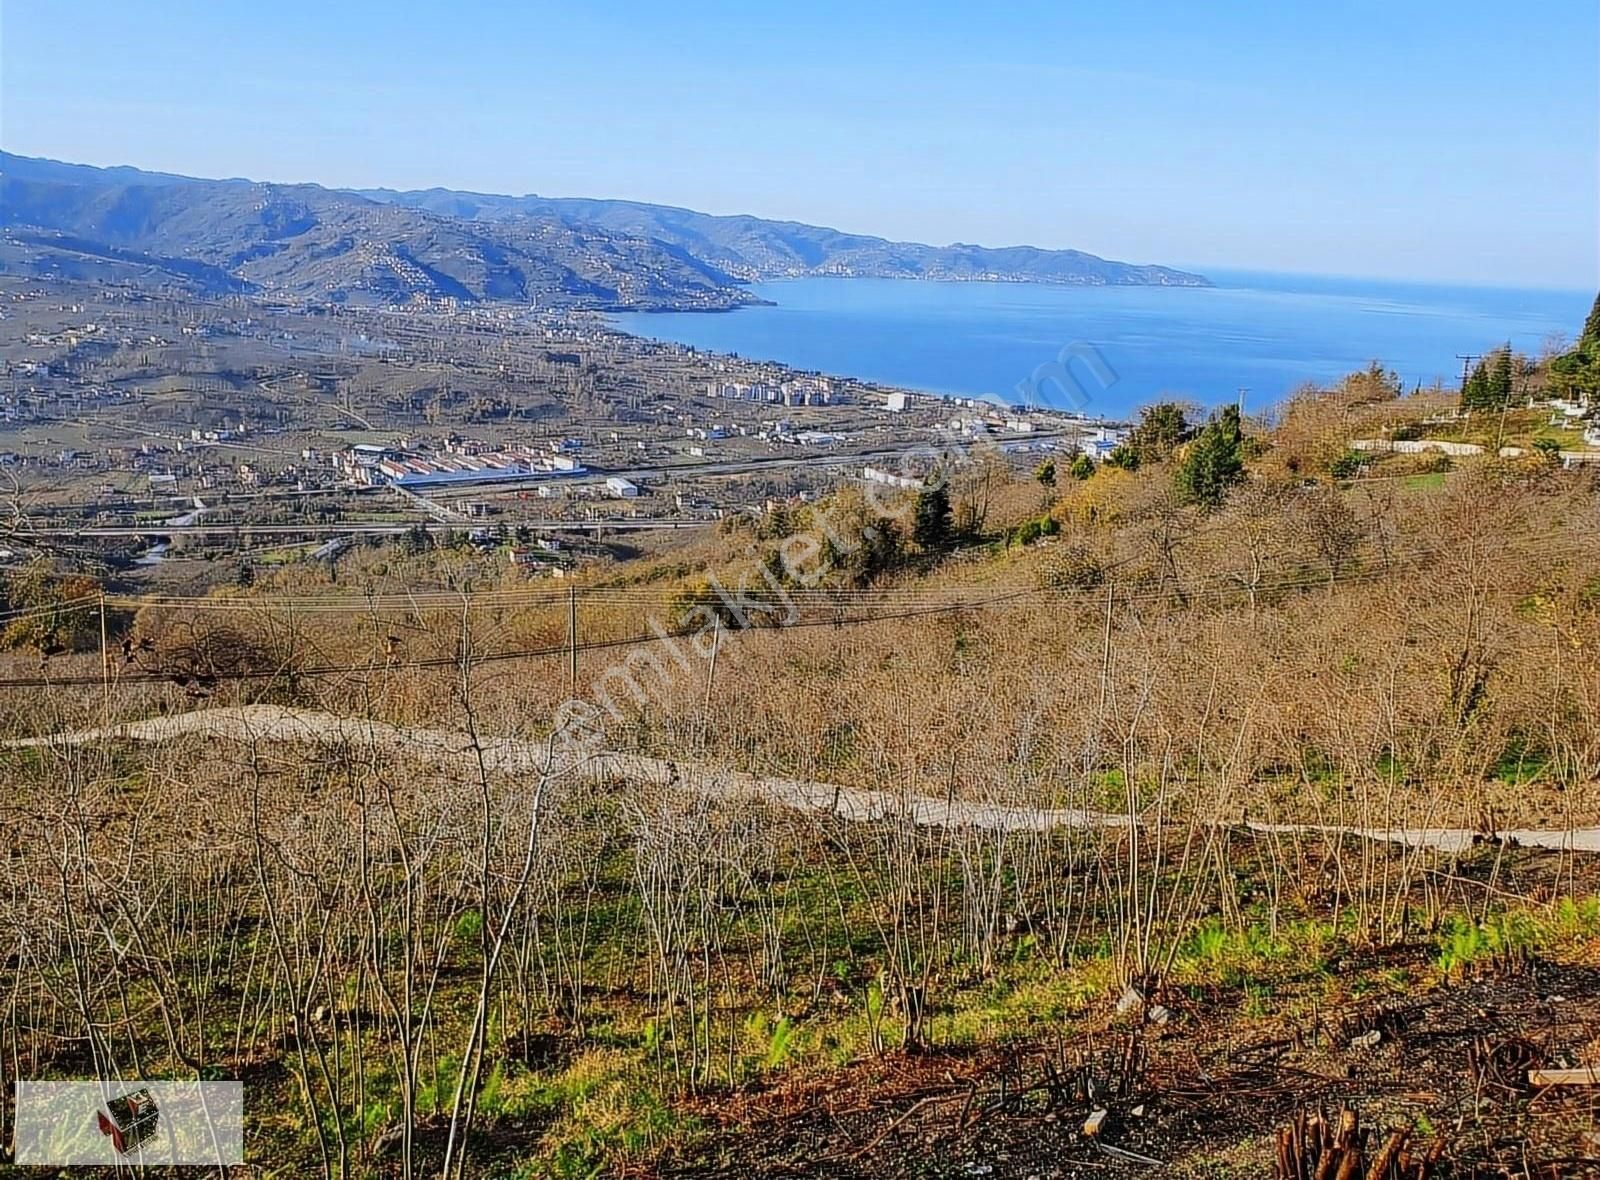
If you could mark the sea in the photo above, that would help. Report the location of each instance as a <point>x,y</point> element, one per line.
<point>1105,351</point>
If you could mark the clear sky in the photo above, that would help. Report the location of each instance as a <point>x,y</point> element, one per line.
<point>1439,139</point>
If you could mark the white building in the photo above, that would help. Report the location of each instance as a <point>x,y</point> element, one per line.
<point>620,487</point>
<point>878,475</point>
<point>897,402</point>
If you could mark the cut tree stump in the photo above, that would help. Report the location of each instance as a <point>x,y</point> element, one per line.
<point>1314,1147</point>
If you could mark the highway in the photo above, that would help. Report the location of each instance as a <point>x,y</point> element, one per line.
<point>435,493</point>
<point>693,470</point>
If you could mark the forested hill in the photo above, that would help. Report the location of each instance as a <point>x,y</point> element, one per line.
<point>308,243</point>
<point>757,248</point>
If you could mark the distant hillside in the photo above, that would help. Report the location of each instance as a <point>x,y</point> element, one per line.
<point>755,248</point>
<point>309,243</point>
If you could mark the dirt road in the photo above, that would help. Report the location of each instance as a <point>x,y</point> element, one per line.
<point>276,724</point>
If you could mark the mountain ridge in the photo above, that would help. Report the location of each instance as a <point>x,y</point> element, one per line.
<point>852,254</point>
<point>311,243</point>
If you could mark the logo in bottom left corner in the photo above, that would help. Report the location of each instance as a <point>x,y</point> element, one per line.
<point>145,1122</point>
<point>129,1119</point>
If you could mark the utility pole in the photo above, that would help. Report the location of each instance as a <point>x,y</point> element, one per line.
<point>1466,359</point>
<point>105,662</point>
<point>572,642</point>
<point>1243,389</point>
<point>711,676</point>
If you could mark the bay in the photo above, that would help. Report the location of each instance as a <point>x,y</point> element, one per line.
<point>1265,333</point>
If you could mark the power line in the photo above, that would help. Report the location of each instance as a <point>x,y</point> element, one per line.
<point>820,597</point>
<point>488,657</point>
<point>68,606</point>
<point>1219,586</point>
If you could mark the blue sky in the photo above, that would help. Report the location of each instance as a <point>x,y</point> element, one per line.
<point>1413,138</point>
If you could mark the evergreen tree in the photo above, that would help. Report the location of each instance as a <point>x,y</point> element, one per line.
<point>1489,388</point>
<point>1082,467</point>
<point>1161,428</point>
<point>1500,379</point>
<point>1214,461</point>
<point>931,527</point>
<point>1475,392</point>
<point>1576,375</point>
<point>1045,473</point>
<point>1589,341</point>
<point>1124,457</point>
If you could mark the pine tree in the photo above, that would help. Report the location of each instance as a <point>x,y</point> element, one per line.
<point>1576,374</point>
<point>1214,461</point>
<point>1475,392</point>
<point>1124,457</point>
<point>1161,427</point>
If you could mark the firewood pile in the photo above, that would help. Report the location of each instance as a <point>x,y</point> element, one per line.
<point>1315,1147</point>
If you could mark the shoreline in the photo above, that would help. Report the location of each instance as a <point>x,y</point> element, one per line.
<point>950,280</point>
<point>870,385</point>
<point>1268,334</point>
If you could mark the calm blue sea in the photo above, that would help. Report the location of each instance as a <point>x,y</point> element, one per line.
<point>1266,333</point>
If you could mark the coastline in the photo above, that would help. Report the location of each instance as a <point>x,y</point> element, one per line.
<point>1265,334</point>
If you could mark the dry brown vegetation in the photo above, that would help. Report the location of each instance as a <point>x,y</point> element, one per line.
<point>446,961</point>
